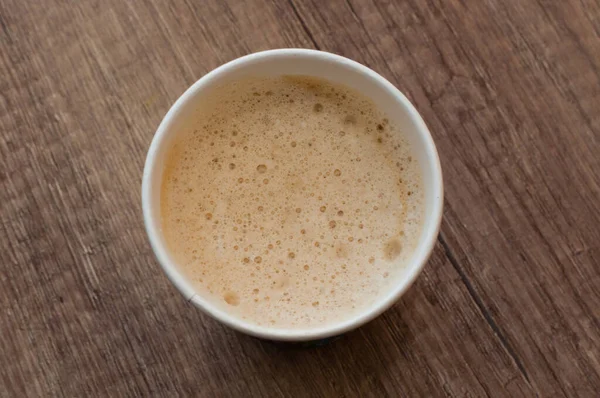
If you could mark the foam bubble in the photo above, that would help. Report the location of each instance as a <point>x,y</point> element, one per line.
<point>231,298</point>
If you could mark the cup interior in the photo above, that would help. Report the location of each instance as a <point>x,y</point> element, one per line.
<point>337,70</point>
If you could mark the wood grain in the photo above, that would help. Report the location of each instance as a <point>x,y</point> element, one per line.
<point>509,303</point>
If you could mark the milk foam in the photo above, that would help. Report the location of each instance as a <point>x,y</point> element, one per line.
<point>291,202</point>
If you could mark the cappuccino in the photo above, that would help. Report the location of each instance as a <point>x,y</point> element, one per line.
<point>291,202</point>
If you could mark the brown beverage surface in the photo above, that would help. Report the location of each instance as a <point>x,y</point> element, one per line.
<point>290,201</point>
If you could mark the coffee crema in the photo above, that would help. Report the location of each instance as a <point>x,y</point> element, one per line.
<point>291,202</point>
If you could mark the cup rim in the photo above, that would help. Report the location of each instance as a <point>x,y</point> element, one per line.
<point>422,252</point>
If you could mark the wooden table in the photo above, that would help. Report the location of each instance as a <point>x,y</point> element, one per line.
<point>508,305</point>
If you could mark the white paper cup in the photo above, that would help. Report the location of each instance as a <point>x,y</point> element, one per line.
<point>336,69</point>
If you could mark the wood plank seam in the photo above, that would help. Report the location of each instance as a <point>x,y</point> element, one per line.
<point>482,308</point>
<point>303,23</point>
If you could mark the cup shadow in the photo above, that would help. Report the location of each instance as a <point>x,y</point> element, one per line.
<point>354,360</point>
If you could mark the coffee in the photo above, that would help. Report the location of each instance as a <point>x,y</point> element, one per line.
<point>291,201</point>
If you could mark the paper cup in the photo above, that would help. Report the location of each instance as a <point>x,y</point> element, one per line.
<point>336,69</point>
